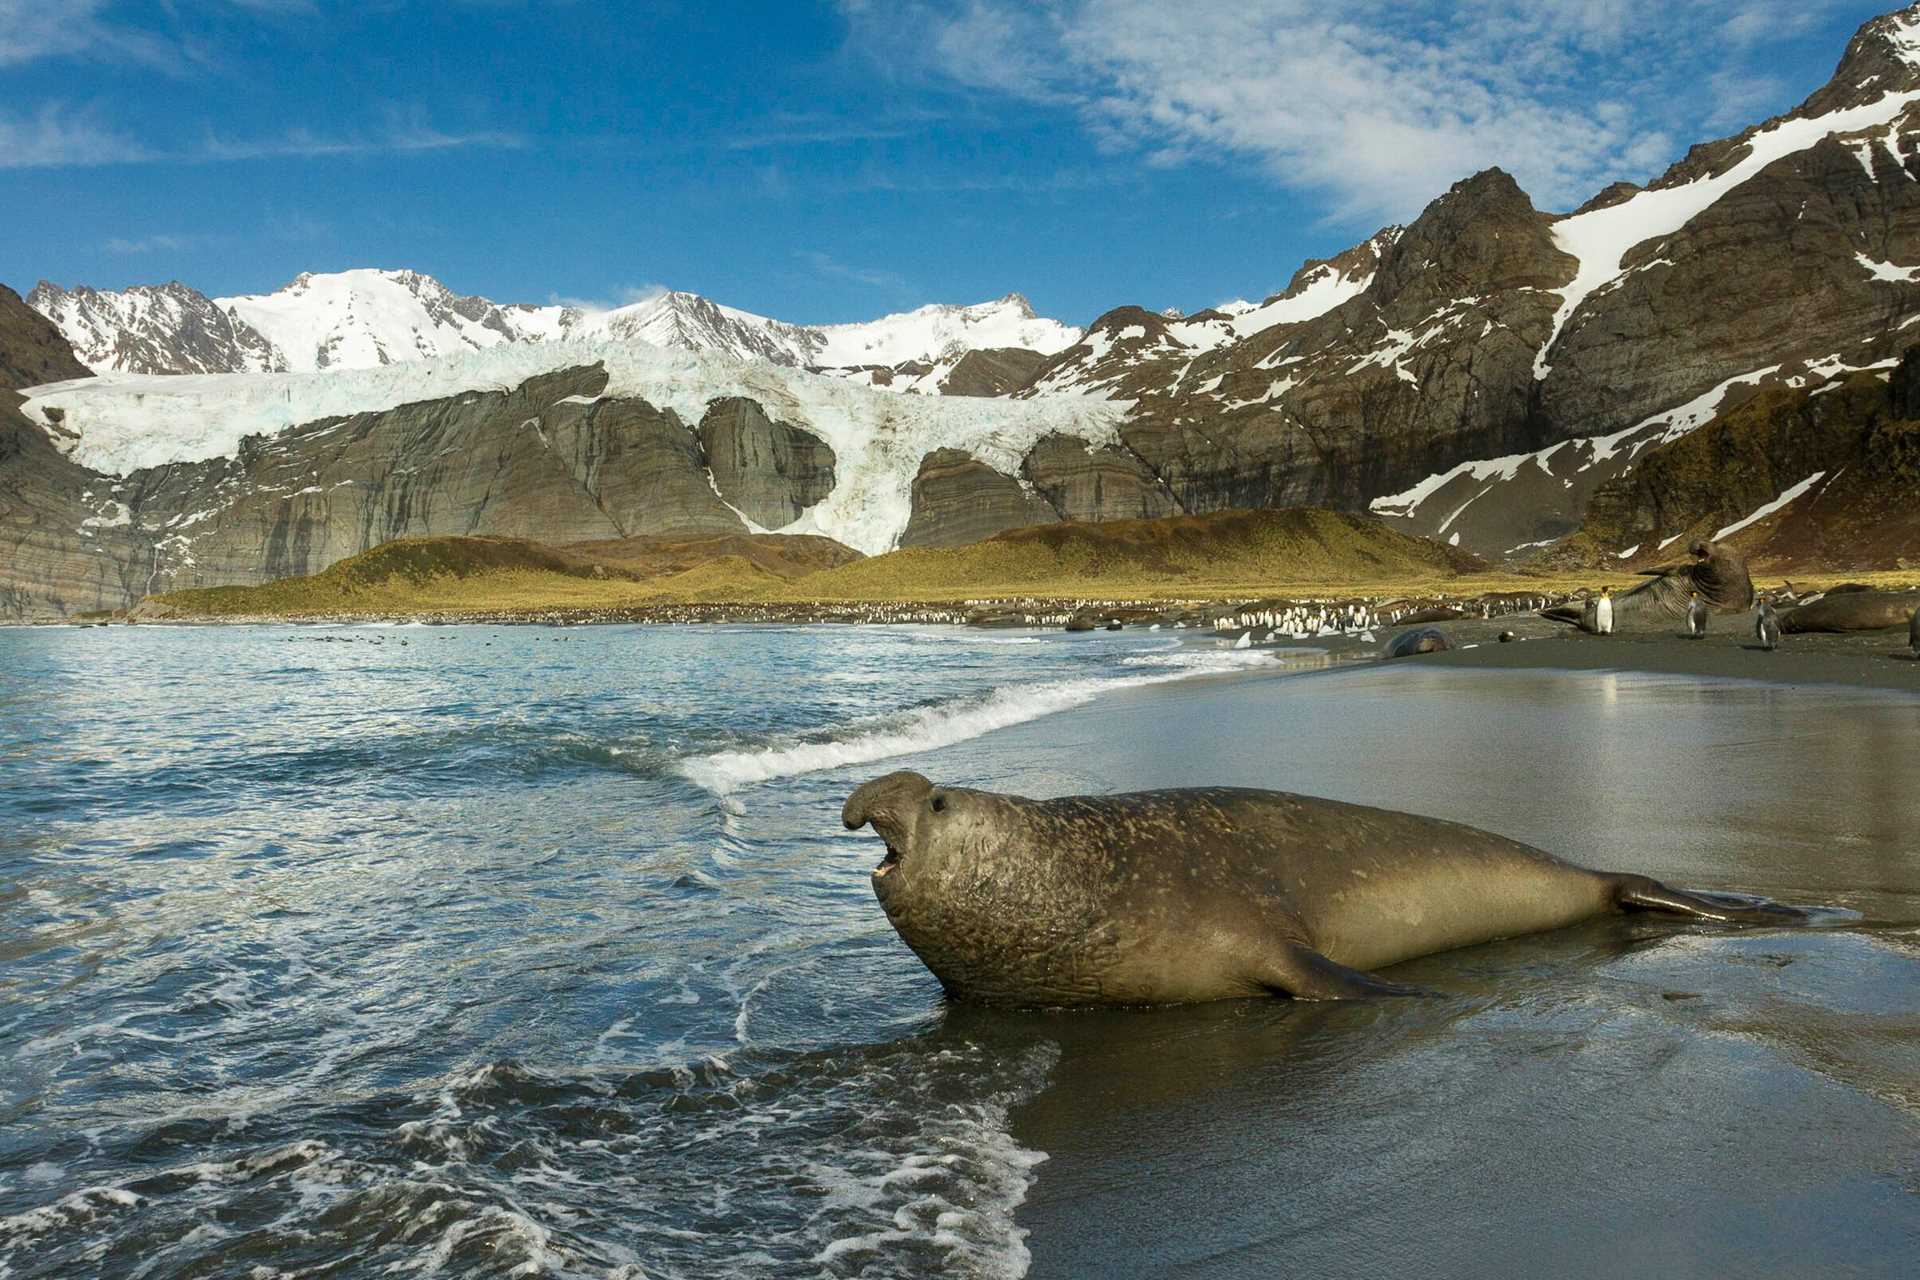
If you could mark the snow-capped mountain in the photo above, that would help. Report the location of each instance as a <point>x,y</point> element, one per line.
<point>688,322</point>
<point>363,319</point>
<point>167,328</point>
<point>936,333</point>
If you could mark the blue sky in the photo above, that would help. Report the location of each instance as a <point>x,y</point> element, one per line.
<point>835,160</point>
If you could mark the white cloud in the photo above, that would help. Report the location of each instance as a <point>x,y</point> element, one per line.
<point>35,29</point>
<point>57,137</point>
<point>824,264</point>
<point>1380,104</point>
<point>158,242</point>
<point>31,30</point>
<point>624,296</point>
<point>303,143</point>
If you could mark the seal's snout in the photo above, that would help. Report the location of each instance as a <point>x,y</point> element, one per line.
<point>873,801</point>
<point>887,803</point>
<point>853,814</point>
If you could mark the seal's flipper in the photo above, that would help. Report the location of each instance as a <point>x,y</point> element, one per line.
<point>1641,893</point>
<point>1305,974</point>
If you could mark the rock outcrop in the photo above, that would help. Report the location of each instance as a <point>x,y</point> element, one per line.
<point>32,350</point>
<point>959,499</point>
<point>768,471</point>
<point>1794,478</point>
<point>1084,482</point>
<point>551,460</point>
<point>992,371</point>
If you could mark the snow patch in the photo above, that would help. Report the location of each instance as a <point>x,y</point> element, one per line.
<point>1763,512</point>
<point>1887,271</point>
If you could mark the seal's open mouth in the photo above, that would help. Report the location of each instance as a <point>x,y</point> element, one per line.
<point>888,863</point>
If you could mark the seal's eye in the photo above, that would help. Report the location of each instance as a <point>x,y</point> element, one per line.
<point>939,804</point>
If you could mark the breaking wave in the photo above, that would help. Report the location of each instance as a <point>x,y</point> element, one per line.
<point>947,723</point>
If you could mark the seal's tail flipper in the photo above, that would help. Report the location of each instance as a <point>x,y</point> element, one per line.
<point>1641,893</point>
<point>1305,974</point>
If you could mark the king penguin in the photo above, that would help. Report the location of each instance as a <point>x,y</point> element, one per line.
<point>1603,612</point>
<point>1697,614</point>
<point>1766,627</point>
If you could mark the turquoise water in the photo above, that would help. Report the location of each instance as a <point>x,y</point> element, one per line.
<point>345,951</point>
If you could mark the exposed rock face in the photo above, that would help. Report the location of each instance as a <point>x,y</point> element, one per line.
<point>1432,360</point>
<point>549,460</point>
<point>1771,273</point>
<point>1082,482</point>
<point>995,371</point>
<point>66,544</point>
<point>958,499</point>
<point>769,471</point>
<point>1793,254</point>
<point>32,350</point>
<point>1845,456</point>
<point>167,328</point>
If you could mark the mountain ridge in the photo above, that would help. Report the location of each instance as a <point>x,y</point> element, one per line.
<point>370,317</point>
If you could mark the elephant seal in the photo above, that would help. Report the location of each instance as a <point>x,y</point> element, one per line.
<point>1175,897</point>
<point>1852,611</point>
<point>1716,571</point>
<point>1424,640</point>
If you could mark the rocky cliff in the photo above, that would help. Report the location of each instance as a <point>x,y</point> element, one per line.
<point>32,350</point>
<point>552,459</point>
<point>1793,478</point>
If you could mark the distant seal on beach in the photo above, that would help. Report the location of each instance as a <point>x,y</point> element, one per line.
<point>1424,640</point>
<point>1169,897</point>
<point>1852,611</point>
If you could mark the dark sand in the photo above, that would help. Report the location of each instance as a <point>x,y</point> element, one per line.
<point>1630,1097</point>
<point>1876,659</point>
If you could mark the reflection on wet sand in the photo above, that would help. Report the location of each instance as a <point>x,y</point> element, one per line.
<point>1628,1096</point>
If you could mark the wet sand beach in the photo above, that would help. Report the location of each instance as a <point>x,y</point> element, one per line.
<point>1629,1097</point>
<point>1871,659</point>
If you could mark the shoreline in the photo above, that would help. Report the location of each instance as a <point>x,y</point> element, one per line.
<point>1862,659</point>
<point>1875,659</point>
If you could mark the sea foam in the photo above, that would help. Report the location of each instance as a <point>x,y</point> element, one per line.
<point>946,723</point>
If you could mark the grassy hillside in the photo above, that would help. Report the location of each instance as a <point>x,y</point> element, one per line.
<point>428,575</point>
<point>1226,553</point>
<point>1234,553</point>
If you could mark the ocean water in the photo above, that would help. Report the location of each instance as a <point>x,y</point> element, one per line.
<point>393,951</point>
<point>359,951</point>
